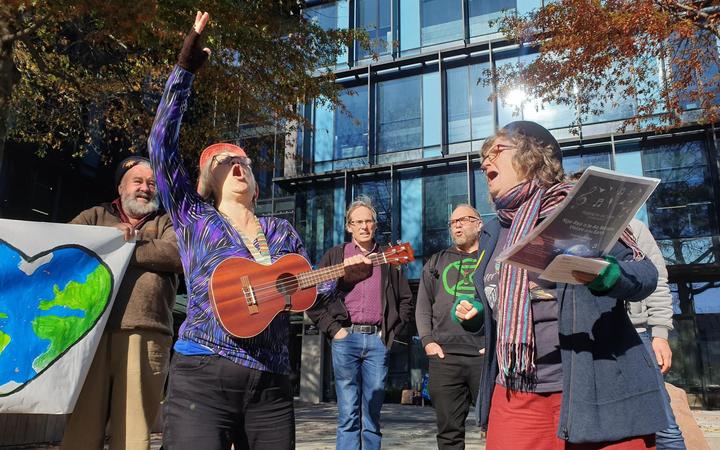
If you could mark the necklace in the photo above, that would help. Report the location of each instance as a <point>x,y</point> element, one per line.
<point>261,251</point>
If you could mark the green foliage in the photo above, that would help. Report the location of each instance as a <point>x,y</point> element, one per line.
<point>92,71</point>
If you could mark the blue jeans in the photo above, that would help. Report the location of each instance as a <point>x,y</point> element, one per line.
<point>360,363</point>
<point>671,437</point>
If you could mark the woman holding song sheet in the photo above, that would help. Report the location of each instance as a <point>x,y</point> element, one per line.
<point>564,367</point>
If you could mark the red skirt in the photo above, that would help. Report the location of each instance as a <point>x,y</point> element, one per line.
<point>522,420</point>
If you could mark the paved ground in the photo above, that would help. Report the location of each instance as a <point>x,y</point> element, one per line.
<point>404,427</point>
<point>407,427</point>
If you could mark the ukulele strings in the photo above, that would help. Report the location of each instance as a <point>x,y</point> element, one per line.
<point>295,279</point>
<point>273,287</point>
<point>260,289</point>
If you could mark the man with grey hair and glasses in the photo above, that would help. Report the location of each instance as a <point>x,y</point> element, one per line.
<point>453,353</point>
<point>362,317</point>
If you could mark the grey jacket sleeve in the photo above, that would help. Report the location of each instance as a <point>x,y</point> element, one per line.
<point>657,308</point>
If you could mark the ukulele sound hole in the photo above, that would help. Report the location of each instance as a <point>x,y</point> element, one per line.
<point>287,284</point>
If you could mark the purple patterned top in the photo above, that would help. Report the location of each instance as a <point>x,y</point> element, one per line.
<point>205,239</point>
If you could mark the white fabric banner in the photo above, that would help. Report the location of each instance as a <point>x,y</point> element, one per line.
<point>57,286</point>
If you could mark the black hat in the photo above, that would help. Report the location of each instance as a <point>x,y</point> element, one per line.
<point>127,164</point>
<point>535,131</point>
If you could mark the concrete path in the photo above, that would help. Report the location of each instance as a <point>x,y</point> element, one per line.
<point>405,428</point>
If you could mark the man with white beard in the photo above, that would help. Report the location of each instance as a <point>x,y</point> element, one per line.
<point>453,353</point>
<point>127,375</point>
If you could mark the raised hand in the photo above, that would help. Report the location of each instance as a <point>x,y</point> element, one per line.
<point>201,19</point>
<point>193,55</point>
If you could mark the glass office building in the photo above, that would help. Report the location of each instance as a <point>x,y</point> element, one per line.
<point>415,117</point>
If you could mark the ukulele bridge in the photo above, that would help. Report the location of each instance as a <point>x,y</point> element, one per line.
<point>249,294</point>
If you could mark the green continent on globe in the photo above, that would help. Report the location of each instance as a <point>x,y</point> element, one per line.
<point>4,341</point>
<point>63,331</point>
<point>4,337</point>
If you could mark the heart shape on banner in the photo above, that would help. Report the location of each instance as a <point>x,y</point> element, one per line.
<point>48,302</point>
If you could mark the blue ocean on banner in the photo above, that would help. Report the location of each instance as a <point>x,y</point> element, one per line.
<point>47,303</point>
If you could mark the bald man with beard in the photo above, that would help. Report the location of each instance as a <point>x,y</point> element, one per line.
<point>453,353</point>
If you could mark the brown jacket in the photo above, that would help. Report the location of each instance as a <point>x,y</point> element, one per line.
<point>147,292</point>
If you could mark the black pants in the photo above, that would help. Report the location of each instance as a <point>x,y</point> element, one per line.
<point>453,386</point>
<point>212,403</point>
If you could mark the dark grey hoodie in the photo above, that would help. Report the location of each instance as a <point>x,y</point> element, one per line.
<point>446,277</point>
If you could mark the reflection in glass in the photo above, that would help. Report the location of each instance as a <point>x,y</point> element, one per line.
<point>483,13</point>
<point>321,218</point>
<point>331,16</point>
<point>432,110</point>
<point>682,206</point>
<point>351,126</point>
<point>426,202</point>
<point>399,122</point>
<point>469,112</point>
<point>577,163</point>
<point>441,21</point>
<point>380,193</point>
<point>374,17</point>
<point>516,105</point>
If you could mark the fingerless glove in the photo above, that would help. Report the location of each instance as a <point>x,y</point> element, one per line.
<point>192,56</point>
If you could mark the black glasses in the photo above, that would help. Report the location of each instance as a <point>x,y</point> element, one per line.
<point>231,160</point>
<point>491,155</point>
<point>463,221</point>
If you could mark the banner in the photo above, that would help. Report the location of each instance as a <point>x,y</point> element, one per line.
<point>57,286</point>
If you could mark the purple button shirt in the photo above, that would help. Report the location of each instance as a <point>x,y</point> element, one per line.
<point>364,302</point>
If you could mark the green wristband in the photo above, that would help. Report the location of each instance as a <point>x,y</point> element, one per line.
<point>606,279</point>
<point>473,324</point>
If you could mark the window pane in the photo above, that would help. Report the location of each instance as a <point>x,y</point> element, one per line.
<point>399,122</point>
<point>578,163</point>
<point>374,17</point>
<point>458,106</point>
<point>441,21</point>
<point>470,113</point>
<point>427,200</point>
<point>482,108</point>
<point>682,209</point>
<point>323,133</point>
<point>684,199</point>
<point>351,126</point>
<point>379,190</point>
<point>482,12</point>
<point>624,107</point>
<point>516,105</point>
<point>432,110</point>
<point>409,25</point>
<point>320,218</point>
<point>331,16</point>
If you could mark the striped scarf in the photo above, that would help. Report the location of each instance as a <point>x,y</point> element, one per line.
<point>521,209</point>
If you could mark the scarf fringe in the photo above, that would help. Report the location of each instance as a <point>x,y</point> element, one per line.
<point>520,373</point>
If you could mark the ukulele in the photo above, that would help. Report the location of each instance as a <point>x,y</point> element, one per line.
<point>246,296</point>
